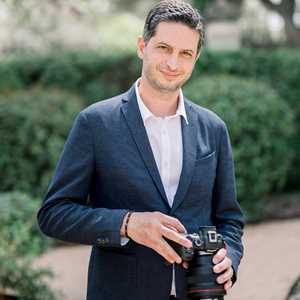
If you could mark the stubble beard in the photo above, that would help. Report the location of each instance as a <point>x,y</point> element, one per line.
<point>164,88</point>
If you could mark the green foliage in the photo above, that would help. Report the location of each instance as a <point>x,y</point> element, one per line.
<point>94,76</point>
<point>20,242</point>
<point>33,129</point>
<point>89,74</point>
<point>18,227</point>
<point>201,4</point>
<point>24,281</point>
<point>260,125</point>
<point>115,37</point>
<point>280,69</point>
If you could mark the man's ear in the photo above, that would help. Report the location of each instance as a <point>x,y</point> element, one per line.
<point>140,47</point>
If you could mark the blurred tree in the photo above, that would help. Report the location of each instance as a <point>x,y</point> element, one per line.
<point>128,5</point>
<point>227,9</point>
<point>219,9</point>
<point>43,25</point>
<point>287,9</point>
<point>136,7</point>
<point>201,4</point>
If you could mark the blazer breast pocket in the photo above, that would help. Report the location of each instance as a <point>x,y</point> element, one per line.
<point>205,172</point>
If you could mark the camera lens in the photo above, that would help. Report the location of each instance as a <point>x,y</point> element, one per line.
<point>201,280</point>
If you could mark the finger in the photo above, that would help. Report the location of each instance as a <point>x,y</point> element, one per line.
<point>185,264</point>
<point>225,277</point>
<point>219,256</point>
<point>170,221</point>
<point>176,237</point>
<point>171,227</point>
<point>165,250</point>
<point>223,265</point>
<point>228,285</point>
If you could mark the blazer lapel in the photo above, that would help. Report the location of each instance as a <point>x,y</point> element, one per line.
<point>189,140</point>
<point>135,123</point>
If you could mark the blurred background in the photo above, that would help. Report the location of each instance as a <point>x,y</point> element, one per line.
<point>59,56</point>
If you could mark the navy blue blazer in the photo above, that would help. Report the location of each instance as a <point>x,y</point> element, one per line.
<point>107,168</point>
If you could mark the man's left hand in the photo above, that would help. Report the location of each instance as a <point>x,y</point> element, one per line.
<point>223,264</point>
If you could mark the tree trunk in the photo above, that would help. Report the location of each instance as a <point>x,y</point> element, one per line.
<point>292,33</point>
<point>286,8</point>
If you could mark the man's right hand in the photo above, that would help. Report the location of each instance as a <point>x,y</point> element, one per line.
<point>150,228</point>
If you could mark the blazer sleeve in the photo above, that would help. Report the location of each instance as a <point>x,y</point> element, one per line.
<point>64,214</point>
<point>227,214</point>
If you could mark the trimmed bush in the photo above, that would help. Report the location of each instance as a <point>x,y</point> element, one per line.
<point>260,124</point>
<point>20,242</point>
<point>33,129</point>
<point>90,74</point>
<point>278,68</point>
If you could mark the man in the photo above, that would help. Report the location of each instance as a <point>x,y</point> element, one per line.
<point>153,165</point>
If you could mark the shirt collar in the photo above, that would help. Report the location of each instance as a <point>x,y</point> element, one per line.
<point>146,113</point>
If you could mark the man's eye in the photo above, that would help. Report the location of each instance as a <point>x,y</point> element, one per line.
<point>162,47</point>
<point>187,54</point>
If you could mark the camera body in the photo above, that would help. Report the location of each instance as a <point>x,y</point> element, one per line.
<point>201,280</point>
<point>206,240</point>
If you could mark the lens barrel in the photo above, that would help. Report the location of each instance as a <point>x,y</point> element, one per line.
<point>201,280</point>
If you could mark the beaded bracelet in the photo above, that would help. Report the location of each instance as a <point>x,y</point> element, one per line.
<point>126,223</point>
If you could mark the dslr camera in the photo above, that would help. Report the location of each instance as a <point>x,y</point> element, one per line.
<point>201,280</point>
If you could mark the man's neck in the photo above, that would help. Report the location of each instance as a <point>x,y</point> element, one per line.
<point>160,104</point>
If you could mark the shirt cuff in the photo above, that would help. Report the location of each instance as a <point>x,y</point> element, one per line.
<point>124,241</point>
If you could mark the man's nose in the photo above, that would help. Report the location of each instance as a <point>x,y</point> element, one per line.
<point>172,62</point>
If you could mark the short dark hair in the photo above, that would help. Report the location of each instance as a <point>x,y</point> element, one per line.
<point>174,11</point>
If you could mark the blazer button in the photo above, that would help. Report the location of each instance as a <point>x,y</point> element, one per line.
<point>100,241</point>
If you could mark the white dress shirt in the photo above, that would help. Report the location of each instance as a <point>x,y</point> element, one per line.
<point>165,138</point>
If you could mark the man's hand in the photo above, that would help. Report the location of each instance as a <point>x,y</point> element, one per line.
<point>223,264</point>
<point>150,228</point>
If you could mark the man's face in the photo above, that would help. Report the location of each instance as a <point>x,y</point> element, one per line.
<point>169,56</point>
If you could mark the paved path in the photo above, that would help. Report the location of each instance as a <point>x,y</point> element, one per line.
<point>270,265</point>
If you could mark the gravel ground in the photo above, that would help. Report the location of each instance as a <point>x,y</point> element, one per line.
<point>270,266</point>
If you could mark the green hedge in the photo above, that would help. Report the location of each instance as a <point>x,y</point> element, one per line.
<point>34,126</point>
<point>89,74</point>
<point>260,125</point>
<point>20,242</point>
<point>278,68</point>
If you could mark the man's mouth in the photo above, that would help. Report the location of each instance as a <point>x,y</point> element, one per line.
<point>170,75</point>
